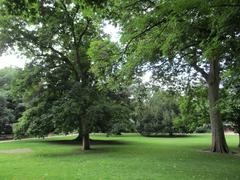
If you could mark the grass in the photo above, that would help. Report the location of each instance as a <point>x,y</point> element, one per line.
<point>121,157</point>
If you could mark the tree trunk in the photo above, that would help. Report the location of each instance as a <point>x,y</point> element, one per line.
<point>238,139</point>
<point>218,139</point>
<point>79,138</point>
<point>86,142</point>
<point>85,136</point>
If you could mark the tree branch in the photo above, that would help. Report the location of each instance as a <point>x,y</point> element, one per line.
<point>84,31</point>
<point>200,70</point>
<point>194,63</point>
<point>149,28</point>
<point>72,29</point>
<point>226,5</point>
<point>65,59</point>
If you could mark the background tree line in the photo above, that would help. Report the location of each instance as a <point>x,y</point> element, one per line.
<point>142,110</point>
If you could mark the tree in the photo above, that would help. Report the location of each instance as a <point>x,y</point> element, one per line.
<point>231,101</point>
<point>171,37</point>
<point>111,116</point>
<point>232,113</point>
<point>56,36</point>
<point>7,76</point>
<point>6,117</point>
<point>10,107</point>
<point>193,107</point>
<point>50,112</point>
<point>158,114</point>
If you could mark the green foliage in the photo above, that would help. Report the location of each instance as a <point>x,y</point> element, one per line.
<point>158,114</point>
<point>193,110</point>
<point>6,117</point>
<point>111,117</point>
<point>178,40</point>
<point>58,85</point>
<point>181,41</point>
<point>10,106</point>
<point>203,129</point>
<point>62,109</point>
<point>36,121</point>
<point>7,76</point>
<point>231,103</point>
<point>105,56</point>
<point>173,37</point>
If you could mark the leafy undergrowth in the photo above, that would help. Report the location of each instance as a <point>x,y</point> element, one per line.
<point>121,157</point>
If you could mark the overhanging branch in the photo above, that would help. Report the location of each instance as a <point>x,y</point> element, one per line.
<point>200,70</point>
<point>149,28</point>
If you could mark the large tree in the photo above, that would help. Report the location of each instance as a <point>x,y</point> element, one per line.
<point>56,36</point>
<point>172,37</point>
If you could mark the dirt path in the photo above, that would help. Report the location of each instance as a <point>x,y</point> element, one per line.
<point>49,137</point>
<point>5,141</point>
<point>15,151</point>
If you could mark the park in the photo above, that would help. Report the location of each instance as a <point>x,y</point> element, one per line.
<point>119,89</point>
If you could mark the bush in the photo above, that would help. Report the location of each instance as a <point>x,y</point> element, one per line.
<point>203,129</point>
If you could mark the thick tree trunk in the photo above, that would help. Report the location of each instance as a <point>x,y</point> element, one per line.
<point>85,137</point>
<point>218,139</point>
<point>86,142</point>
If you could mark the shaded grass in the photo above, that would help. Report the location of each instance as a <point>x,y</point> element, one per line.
<point>120,157</point>
<point>170,136</point>
<point>93,142</point>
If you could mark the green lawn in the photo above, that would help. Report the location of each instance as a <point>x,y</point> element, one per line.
<point>122,157</point>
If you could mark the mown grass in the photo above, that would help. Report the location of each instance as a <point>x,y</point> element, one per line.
<point>121,157</point>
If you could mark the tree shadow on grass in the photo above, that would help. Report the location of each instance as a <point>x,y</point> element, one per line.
<point>79,153</point>
<point>170,136</point>
<point>97,147</point>
<point>92,142</point>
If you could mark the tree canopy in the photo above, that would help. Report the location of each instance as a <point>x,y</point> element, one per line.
<point>60,89</point>
<point>170,38</point>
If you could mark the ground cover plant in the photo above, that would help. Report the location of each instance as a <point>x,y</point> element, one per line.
<point>129,156</point>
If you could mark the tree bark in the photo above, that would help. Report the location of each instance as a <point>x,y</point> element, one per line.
<point>86,142</point>
<point>238,139</point>
<point>218,139</point>
<point>85,136</point>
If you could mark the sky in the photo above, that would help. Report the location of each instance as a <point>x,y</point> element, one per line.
<point>11,60</point>
<point>14,60</point>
